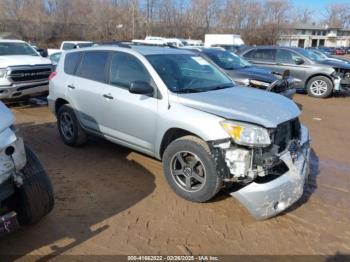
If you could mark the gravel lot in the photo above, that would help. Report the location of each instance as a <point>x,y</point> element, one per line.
<point>111,200</point>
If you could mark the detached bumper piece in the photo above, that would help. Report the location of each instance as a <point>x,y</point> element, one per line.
<point>264,200</point>
<point>8,223</point>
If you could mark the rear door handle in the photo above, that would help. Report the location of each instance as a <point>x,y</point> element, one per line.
<point>71,86</point>
<point>108,96</point>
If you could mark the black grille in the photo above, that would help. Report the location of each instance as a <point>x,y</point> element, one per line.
<point>286,132</point>
<point>30,74</point>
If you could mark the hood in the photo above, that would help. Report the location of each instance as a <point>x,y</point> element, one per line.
<point>336,64</point>
<point>20,60</point>
<point>6,117</point>
<point>252,73</point>
<point>244,104</point>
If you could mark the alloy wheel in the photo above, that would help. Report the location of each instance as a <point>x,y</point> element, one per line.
<point>318,87</point>
<point>188,171</point>
<point>67,126</point>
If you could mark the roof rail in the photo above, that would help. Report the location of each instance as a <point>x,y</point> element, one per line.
<point>116,43</point>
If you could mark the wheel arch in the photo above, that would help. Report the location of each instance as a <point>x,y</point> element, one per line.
<point>59,103</point>
<point>318,74</point>
<point>171,135</point>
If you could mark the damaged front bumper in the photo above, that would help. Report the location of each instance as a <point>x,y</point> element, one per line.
<point>264,200</point>
<point>12,155</point>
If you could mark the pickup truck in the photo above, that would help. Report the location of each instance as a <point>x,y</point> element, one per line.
<point>23,72</point>
<point>69,45</point>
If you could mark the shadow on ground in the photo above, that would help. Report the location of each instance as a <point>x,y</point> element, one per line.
<point>92,184</point>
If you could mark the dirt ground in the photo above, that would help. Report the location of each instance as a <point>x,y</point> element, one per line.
<point>111,200</point>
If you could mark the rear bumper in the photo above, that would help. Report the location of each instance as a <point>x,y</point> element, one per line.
<point>23,90</point>
<point>264,200</point>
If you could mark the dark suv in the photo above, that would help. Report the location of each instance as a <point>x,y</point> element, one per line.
<point>246,74</point>
<point>320,80</point>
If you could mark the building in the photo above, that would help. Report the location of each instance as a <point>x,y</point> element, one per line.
<point>315,36</point>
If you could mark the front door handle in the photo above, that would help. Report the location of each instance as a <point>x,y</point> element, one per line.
<point>71,86</point>
<point>108,96</point>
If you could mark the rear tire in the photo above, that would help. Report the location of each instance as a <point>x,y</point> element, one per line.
<point>35,198</point>
<point>191,170</point>
<point>69,127</point>
<point>320,87</point>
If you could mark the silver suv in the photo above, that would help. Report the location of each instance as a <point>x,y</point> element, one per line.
<point>180,108</point>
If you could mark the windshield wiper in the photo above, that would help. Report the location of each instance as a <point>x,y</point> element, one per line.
<point>191,90</point>
<point>223,86</point>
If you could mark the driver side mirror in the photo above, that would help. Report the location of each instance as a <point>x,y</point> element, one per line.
<point>141,88</point>
<point>43,52</point>
<point>299,61</point>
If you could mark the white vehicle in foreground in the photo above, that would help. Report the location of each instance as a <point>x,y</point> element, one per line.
<point>23,72</point>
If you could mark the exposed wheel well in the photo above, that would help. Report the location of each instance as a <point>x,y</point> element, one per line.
<point>60,102</point>
<point>327,76</point>
<point>171,135</point>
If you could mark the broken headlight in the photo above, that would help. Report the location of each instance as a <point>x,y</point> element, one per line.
<point>247,134</point>
<point>260,83</point>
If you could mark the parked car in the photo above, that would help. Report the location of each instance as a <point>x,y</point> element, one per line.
<point>245,74</point>
<point>339,51</point>
<point>317,78</point>
<point>174,105</point>
<point>26,193</point>
<point>327,50</point>
<point>325,56</point>
<point>23,72</point>
<point>69,45</point>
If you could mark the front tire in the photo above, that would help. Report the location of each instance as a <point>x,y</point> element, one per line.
<point>69,127</point>
<point>191,170</point>
<point>320,87</point>
<point>34,199</point>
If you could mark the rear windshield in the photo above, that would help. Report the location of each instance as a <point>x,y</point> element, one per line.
<point>17,49</point>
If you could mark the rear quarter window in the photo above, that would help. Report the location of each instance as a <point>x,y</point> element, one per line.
<point>71,62</point>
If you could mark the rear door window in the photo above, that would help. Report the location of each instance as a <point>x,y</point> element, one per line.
<point>71,62</point>
<point>126,68</point>
<point>264,55</point>
<point>249,54</point>
<point>286,56</point>
<point>94,66</point>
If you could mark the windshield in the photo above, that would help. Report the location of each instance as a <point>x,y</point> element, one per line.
<point>17,49</point>
<point>311,55</point>
<point>320,53</point>
<point>188,73</point>
<point>227,60</point>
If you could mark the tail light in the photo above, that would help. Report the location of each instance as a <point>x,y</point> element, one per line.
<point>52,75</point>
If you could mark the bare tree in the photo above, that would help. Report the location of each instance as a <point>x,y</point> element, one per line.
<point>338,15</point>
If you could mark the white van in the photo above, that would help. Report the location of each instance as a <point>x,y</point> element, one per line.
<point>212,40</point>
